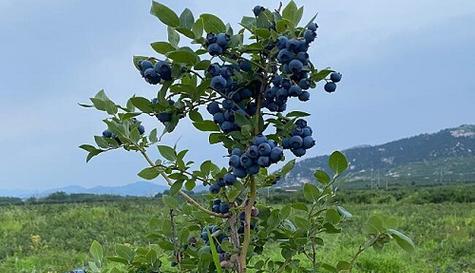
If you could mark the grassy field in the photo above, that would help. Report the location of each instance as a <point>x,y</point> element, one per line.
<point>55,237</point>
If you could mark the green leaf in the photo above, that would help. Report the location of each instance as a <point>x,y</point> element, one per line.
<point>183,56</point>
<point>241,119</point>
<point>287,167</point>
<point>173,36</point>
<point>153,136</point>
<point>165,14</point>
<point>162,47</point>
<point>149,173</point>
<point>402,240</point>
<point>322,177</point>
<point>248,22</point>
<point>198,28</point>
<point>310,192</point>
<point>343,265</point>
<point>297,114</point>
<point>290,12</point>
<point>142,104</point>
<point>167,152</point>
<point>195,116</point>
<point>212,24</point>
<point>170,201</point>
<point>206,126</point>
<point>188,33</point>
<point>343,212</point>
<point>214,252</point>
<point>338,162</point>
<point>186,19</point>
<point>320,75</point>
<point>88,147</point>
<point>202,65</point>
<point>96,251</point>
<point>176,187</point>
<point>333,216</point>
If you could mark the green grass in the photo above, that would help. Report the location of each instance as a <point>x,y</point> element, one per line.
<point>444,234</point>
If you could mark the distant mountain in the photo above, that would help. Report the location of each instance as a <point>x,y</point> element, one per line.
<point>135,189</point>
<point>442,157</point>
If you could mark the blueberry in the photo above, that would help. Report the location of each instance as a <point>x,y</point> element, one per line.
<point>282,42</point>
<point>254,169</point>
<point>276,154</point>
<point>221,182</point>
<point>293,45</point>
<point>297,131</point>
<point>246,161</point>
<point>295,90</point>
<point>214,70</point>
<point>286,143</point>
<point>229,179</point>
<point>306,131</point>
<point>335,77</point>
<point>226,72</point>
<point>107,134</point>
<point>141,129</point>
<point>245,65</point>
<point>309,36</point>
<point>285,56</point>
<point>214,189</point>
<point>304,84</point>
<point>216,201</point>
<point>263,161</point>
<point>295,66</point>
<point>222,40</point>
<point>277,80</point>
<point>215,208</point>
<point>227,126</point>
<point>151,76</point>
<point>164,70</point>
<point>228,104</point>
<point>218,117</point>
<point>271,92</point>
<point>253,151</point>
<point>313,27</point>
<point>304,96</point>
<point>303,57</point>
<point>282,93</point>
<point>299,152</point>
<point>214,49</point>
<point>204,236</point>
<point>213,108</point>
<point>259,139</point>
<point>296,142</point>
<point>144,65</point>
<point>236,151</point>
<point>286,84</point>
<point>239,172</point>
<point>210,38</point>
<point>330,87</point>
<point>302,46</point>
<point>264,149</point>
<point>229,115</point>
<point>301,123</point>
<point>218,83</point>
<point>234,161</point>
<point>224,208</point>
<point>257,10</point>
<point>164,117</point>
<point>308,142</point>
<point>154,101</point>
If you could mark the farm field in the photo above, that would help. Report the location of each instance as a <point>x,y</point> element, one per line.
<point>55,238</point>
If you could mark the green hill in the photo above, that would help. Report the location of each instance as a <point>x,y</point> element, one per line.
<point>444,157</point>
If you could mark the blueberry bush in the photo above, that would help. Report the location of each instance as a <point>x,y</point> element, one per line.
<point>234,86</point>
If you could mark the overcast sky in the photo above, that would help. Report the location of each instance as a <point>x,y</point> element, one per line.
<point>408,68</point>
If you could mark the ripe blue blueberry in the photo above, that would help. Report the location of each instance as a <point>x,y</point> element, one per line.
<point>218,117</point>
<point>221,182</point>
<point>301,123</point>
<point>245,65</point>
<point>293,45</point>
<point>144,65</point>
<point>308,142</point>
<point>151,76</point>
<point>310,35</point>
<point>295,66</point>
<point>228,104</point>
<point>286,143</point>
<point>141,129</point>
<point>239,172</point>
<point>304,96</point>
<point>214,49</point>
<point>236,151</point>
<point>210,38</point>
<point>164,117</point>
<point>335,77</point>
<point>295,90</point>
<point>313,26</point>
<point>224,208</point>
<point>107,134</point>
<point>299,152</point>
<point>222,40</point>
<point>330,87</point>
<point>282,93</point>
<point>253,151</point>
<point>214,70</point>
<point>263,161</point>
<point>216,201</point>
<point>304,84</point>
<point>259,139</point>
<point>277,80</point>
<point>257,10</point>
<point>214,189</point>
<point>234,161</point>
<point>215,208</point>
<point>164,70</point>
<point>213,108</point>
<point>227,126</point>
<point>254,169</point>
<point>282,42</point>
<point>306,131</point>
<point>246,161</point>
<point>303,57</point>
<point>276,154</point>
<point>218,82</point>
<point>285,56</point>
<point>296,142</point>
<point>264,149</point>
<point>229,115</point>
<point>229,179</point>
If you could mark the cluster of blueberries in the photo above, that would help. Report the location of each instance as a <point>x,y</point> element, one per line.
<point>242,218</point>
<point>153,74</point>
<point>300,139</point>
<point>220,206</point>
<point>330,86</point>
<point>217,43</point>
<point>276,96</point>
<point>262,153</point>
<point>218,240</point>
<point>224,116</point>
